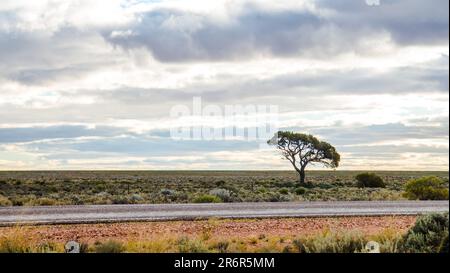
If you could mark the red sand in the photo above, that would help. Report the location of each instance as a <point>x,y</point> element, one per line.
<point>219,228</point>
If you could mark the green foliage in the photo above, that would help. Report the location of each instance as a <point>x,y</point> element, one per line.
<point>313,149</point>
<point>427,235</point>
<point>109,247</point>
<point>427,188</point>
<point>150,187</point>
<point>300,191</point>
<point>285,184</point>
<point>332,243</point>
<point>207,198</point>
<point>369,180</point>
<point>185,245</point>
<point>223,194</point>
<point>44,201</point>
<point>284,191</point>
<point>302,149</point>
<point>443,248</point>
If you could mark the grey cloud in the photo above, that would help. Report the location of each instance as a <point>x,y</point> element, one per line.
<point>385,132</point>
<point>257,31</point>
<point>407,21</point>
<point>39,58</point>
<point>308,85</point>
<point>344,28</point>
<point>302,91</point>
<point>28,134</point>
<point>43,75</point>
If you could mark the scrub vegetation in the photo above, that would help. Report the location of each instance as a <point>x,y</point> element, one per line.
<point>139,187</point>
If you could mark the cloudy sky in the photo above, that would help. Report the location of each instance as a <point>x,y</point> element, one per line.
<point>89,84</point>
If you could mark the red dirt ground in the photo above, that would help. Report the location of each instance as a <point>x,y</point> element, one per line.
<point>219,228</point>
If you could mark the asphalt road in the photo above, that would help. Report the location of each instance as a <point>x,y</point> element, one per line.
<point>123,213</point>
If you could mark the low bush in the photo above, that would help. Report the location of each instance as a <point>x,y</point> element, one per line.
<point>330,242</point>
<point>43,201</point>
<point>136,198</point>
<point>120,200</point>
<point>185,245</point>
<point>443,248</point>
<point>222,246</point>
<point>285,184</point>
<point>427,235</point>
<point>369,180</point>
<point>220,183</point>
<point>109,247</point>
<point>207,198</point>
<point>276,197</point>
<point>18,242</point>
<point>284,191</point>
<point>223,194</point>
<point>300,191</point>
<point>87,188</point>
<point>5,202</point>
<point>167,192</point>
<point>47,247</point>
<point>426,188</point>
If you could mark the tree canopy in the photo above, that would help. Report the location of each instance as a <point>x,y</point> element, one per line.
<point>304,149</point>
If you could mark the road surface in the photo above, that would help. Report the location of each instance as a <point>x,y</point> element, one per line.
<point>125,213</point>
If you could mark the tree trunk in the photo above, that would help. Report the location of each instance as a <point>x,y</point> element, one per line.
<point>302,175</point>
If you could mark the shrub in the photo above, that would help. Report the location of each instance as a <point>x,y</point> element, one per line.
<point>287,249</point>
<point>287,184</point>
<point>223,194</point>
<point>43,201</point>
<point>369,180</point>
<point>443,248</point>
<point>167,192</point>
<point>427,235</point>
<point>84,248</point>
<point>275,197</point>
<point>337,243</point>
<point>284,191</point>
<point>426,188</point>
<point>300,191</point>
<point>15,244</point>
<point>222,246</point>
<point>4,202</point>
<point>120,200</point>
<point>47,247</point>
<point>262,190</point>
<point>109,247</point>
<point>136,198</point>
<point>190,246</point>
<point>331,243</point>
<point>207,198</point>
<point>220,183</point>
<point>299,245</point>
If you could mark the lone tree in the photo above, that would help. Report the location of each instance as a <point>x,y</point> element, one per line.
<point>302,150</point>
